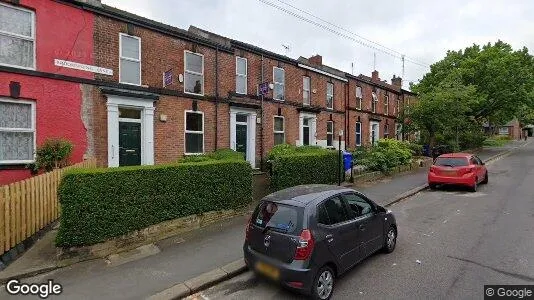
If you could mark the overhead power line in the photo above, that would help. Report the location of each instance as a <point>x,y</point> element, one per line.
<point>348,34</point>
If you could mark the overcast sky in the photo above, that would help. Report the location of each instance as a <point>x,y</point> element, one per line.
<point>422,30</point>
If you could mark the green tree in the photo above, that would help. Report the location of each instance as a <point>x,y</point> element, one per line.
<point>493,83</point>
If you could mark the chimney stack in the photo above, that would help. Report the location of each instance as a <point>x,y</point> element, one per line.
<point>375,76</point>
<point>396,81</point>
<point>316,60</point>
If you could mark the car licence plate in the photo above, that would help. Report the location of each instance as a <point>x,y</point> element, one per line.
<point>452,172</point>
<point>268,270</point>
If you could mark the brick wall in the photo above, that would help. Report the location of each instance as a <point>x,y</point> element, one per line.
<point>161,52</point>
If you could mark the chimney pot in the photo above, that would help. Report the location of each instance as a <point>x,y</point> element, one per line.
<point>396,81</point>
<point>316,60</point>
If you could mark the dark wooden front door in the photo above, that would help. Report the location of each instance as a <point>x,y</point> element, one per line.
<point>129,144</point>
<point>241,138</point>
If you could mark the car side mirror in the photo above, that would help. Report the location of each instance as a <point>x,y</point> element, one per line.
<point>380,209</point>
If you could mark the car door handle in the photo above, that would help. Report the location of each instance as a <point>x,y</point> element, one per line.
<point>362,227</point>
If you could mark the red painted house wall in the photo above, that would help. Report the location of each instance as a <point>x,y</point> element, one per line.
<point>62,32</point>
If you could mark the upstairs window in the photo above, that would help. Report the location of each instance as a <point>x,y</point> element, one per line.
<point>306,90</point>
<point>241,75</point>
<point>279,133</point>
<point>17,131</point>
<point>397,107</point>
<point>194,73</point>
<point>359,97</point>
<point>386,105</point>
<point>374,102</point>
<point>329,95</point>
<point>279,76</point>
<point>130,59</point>
<point>194,132</point>
<point>330,134</point>
<point>17,37</point>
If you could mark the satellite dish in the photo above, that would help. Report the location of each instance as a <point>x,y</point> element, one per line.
<point>271,86</point>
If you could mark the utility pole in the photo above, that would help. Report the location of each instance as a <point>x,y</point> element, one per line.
<point>352,68</point>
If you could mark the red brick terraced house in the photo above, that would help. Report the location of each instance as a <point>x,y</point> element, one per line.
<point>142,92</point>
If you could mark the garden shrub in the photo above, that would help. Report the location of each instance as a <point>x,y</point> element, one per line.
<point>98,204</point>
<point>216,155</point>
<point>52,154</point>
<point>293,166</point>
<point>387,154</point>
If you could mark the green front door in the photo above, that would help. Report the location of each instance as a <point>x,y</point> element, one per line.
<point>241,138</point>
<point>129,144</point>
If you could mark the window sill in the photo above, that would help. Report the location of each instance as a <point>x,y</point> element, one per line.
<point>194,154</point>
<point>19,67</point>
<point>128,83</point>
<point>195,94</point>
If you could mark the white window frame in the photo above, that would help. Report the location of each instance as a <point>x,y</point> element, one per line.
<point>374,102</point>
<point>398,131</point>
<point>128,58</point>
<point>386,105</point>
<point>23,37</point>
<point>278,131</point>
<point>330,133</point>
<point>237,59</point>
<point>283,84</point>
<point>358,133</point>
<point>193,132</point>
<point>359,98</point>
<point>306,91</point>
<point>386,131</point>
<point>193,72</point>
<point>328,84</point>
<point>26,130</point>
<point>396,109</point>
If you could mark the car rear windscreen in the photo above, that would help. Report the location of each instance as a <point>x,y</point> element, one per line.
<point>278,217</point>
<point>451,161</point>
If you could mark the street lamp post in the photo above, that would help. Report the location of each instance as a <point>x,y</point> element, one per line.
<point>339,158</point>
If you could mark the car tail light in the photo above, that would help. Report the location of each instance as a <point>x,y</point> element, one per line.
<point>296,284</point>
<point>433,169</point>
<point>305,245</point>
<point>247,229</point>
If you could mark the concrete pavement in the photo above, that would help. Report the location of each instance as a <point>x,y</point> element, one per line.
<point>183,258</point>
<point>451,243</point>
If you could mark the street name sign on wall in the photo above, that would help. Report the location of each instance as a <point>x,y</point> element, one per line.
<point>264,88</point>
<point>82,67</point>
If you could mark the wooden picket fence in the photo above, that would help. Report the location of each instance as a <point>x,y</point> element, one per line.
<point>29,205</point>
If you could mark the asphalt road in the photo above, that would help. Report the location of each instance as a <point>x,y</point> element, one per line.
<point>451,243</point>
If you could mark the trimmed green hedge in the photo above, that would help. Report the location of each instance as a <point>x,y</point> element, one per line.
<point>98,204</point>
<point>303,166</point>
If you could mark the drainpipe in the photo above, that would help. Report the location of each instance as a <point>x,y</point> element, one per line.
<point>262,120</point>
<point>347,134</point>
<point>216,94</point>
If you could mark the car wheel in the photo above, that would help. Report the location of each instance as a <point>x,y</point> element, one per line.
<point>485,181</point>
<point>475,186</point>
<point>323,285</point>
<point>390,240</point>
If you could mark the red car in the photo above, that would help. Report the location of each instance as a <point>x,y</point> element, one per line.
<point>458,169</point>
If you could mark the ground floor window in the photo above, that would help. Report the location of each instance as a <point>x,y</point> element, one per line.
<point>306,132</point>
<point>194,132</point>
<point>279,133</point>
<point>398,131</point>
<point>386,131</point>
<point>330,134</point>
<point>358,134</point>
<point>17,131</point>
